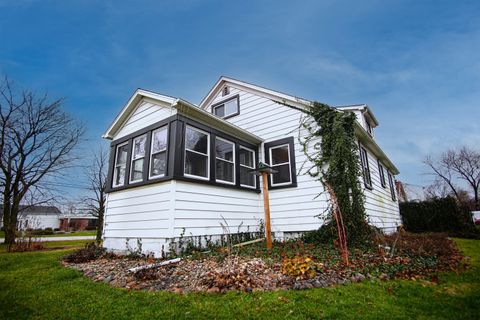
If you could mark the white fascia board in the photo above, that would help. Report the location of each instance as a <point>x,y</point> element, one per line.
<point>129,107</point>
<point>268,93</point>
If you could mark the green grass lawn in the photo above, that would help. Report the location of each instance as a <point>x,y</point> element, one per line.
<point>74,234</point>
<point>36,286</point>
<point>67,244</point>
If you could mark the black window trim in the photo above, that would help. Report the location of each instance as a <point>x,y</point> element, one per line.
<point>252,168</point>
<point>381,174</point>
<point>365,168</point>
<point>392,186</point>
<point>175,157</point>
<point>233,162</point>
<point>218,104</point>
<point>150,154</point>
<point>209,154</point>
<point>293,171</point>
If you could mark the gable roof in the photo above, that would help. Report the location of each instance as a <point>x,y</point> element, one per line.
<point>37,210</point>
<point>183,107</point>
<point>301,103</point>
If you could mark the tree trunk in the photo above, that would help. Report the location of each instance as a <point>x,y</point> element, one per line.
<point>100,226</point>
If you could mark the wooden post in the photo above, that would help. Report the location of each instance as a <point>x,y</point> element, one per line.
<point>266,206</point>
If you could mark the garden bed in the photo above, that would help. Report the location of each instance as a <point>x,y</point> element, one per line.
<point>289,265</point>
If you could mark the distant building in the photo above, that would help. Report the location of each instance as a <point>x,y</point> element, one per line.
<point>36,217</point>
<point>78,223</point>
<point>409,192</point>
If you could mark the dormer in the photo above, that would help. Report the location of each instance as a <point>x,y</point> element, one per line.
<point>364,116</point>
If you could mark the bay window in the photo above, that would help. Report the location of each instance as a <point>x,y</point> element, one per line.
<point>197,153</point>
<point>247,164</point>
<point>158,158</point>
<point>224,161</point>
<point>120,166</point>
<point>138,158</point>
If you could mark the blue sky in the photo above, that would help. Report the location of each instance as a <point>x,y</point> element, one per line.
<point>416,63</point>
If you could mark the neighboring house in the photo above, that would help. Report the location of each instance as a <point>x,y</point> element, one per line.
<point>177,168</point>
<point>78,223</point>
<point>409,192</point>
<point>37,217</point>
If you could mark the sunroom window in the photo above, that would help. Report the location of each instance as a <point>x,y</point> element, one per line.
<point>280,161</point>
<point>247,164</point>
<point>120,165</point>
<point>138,158</point>
<point>226,108</point>
<point>158,160</point>
<point>224,161</point>
<point>197,155</point>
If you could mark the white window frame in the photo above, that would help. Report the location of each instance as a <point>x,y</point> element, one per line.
<point>150,176</point>
<point>281,164</point>
<point>232,162</point>
<point>220,104</point>
<point>116,165</point>
<point>252,168</point>
<point>132,160</point>
<point>185,154</point>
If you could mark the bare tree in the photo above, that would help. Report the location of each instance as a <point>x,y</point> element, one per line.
<point>36,142</point>
<point>97,176</point>
<point>458,166</point>
<point>437,189</point>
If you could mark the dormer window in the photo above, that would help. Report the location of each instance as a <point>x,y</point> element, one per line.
<point>227,108</point>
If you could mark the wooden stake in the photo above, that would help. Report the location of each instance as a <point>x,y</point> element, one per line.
<point>266,206</point>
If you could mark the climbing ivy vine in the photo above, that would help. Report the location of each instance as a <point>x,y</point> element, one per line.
<point>328,140</point>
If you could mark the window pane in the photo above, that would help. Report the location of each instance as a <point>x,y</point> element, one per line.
<point>246,157</point>
<point>280,155</point>
<point>159,141</point>
<point>196,164</point>
<point>219,111</point>
<point>283,174</point>
<point>247,178</point>
<point>224,171</point>
<point>137,170</point>
<point>224,150</point>
<point>197,141</point>
<point>119,175</point>
<point>122,154</point>
<point>158,164</point>
<point>231,107</point>
<point>139,147</point>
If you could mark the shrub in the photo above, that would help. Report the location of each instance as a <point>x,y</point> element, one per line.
<point>89,253</point>
<point>40,232</point>
<point>438,215</point>
<point>91,228</point>
<point>299,267</point>
<point>56,229</point>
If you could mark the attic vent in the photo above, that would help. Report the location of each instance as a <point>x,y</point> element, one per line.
<point>226,90</point>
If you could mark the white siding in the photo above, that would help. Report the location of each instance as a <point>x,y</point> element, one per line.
<point>145,114</point>
<point>202,209</point>
<point>38,221</point>
<point>383,212</point>
<point>141,213</point>
<point>292,209</point>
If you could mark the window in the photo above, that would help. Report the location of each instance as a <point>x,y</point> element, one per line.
<point>138,158</point>
<point>247,164</point>
<point>120,165</point>
<point>392,187</point>
<point>367,179</point>
<point>280,161</point>
<point>224,161</point>
<point>197,154</point>
<point>369,127</point>
<point>382,175</point>
<point>227,108</point>
<point>158,158</point>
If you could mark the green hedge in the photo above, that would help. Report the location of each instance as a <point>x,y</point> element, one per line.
<point>437,215</point>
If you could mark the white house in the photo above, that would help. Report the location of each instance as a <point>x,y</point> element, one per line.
<point>176,167</point>
<point>37,217</point>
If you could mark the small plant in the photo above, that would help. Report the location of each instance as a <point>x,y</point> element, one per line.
<point>302,267</point>
<point>89,253</point>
